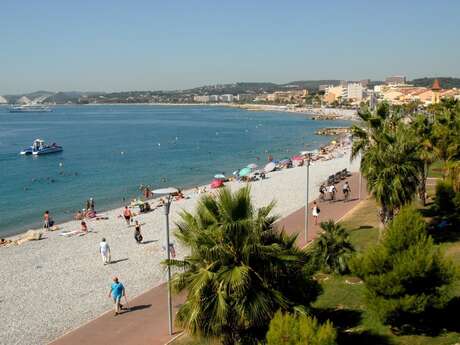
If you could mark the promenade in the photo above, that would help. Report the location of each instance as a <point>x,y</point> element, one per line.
<point>147,322</point>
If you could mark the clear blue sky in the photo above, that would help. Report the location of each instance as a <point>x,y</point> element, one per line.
<point>138,45</point>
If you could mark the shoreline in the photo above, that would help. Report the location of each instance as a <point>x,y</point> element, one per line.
<point>186,189</point>
<point>316,113</point>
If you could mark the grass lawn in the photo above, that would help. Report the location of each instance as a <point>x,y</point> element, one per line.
<point>345,305</point>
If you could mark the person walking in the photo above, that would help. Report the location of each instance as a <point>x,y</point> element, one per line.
<point>332,190</point>
<point>117,291</point>
<point>346,191</point>
<point>137,233</point>
<point>315,212</point>
<point>127,214</point>
<point>104,249</point>
<point>322,192</point>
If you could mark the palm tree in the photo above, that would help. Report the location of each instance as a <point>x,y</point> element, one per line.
<point>333,248</point>
<point>392,168</point>
<point>240,269</point>
<point>373,126</point>
<point>423,132</point>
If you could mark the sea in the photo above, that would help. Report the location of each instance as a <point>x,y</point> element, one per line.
<point>110,150</point>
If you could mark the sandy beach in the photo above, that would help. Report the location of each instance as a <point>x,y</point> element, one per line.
<point>56,284</point>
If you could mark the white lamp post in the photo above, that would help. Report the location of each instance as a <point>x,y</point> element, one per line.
<point>306,205</point>
<point>168,192</point>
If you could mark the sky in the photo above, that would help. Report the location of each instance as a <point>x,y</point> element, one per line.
<point>95,45</point>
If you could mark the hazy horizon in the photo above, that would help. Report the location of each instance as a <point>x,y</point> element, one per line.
<point>111,46</point>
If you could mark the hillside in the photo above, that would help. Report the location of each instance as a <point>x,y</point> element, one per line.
<point>446,82</point>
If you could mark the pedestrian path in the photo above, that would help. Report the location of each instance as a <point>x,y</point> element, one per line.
<point>147,322</point>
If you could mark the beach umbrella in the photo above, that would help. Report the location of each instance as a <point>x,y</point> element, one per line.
<point>245,171</point>
<point>219,177</point>
<point>297,158</point>
<point>252,166</point>
<point>269,167</point>
<point>217,183</point>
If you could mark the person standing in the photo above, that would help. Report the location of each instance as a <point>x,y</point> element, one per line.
<point>91,204</point>
<point>346,191</point>
<point>117,291</point>
<point>104,249</point>
<point>47,221</point>
<point>127,214</point>
<point>137,233</point>
<point>315,212</point>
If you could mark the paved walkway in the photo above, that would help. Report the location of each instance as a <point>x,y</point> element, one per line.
<point>147,323</point>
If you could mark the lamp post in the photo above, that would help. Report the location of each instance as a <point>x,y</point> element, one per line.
<point>306,205</point>
<point>168,192</point>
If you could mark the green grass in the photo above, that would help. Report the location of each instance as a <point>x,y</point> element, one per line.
<point>345,304</point>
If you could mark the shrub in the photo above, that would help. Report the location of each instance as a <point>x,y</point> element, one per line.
<point>405,275</point>
<point>333,249</point>
<point>286,329</point>
<point>444,199</point>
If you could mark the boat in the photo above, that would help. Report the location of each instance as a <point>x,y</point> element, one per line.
<point>40,148</point>
<point>29,108</point>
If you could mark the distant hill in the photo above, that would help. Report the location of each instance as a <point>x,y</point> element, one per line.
<point>446,82</point>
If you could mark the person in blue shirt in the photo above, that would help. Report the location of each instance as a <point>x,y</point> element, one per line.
<point>117,291</point>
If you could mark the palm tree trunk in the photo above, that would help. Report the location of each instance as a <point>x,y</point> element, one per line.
<point>422,187</point>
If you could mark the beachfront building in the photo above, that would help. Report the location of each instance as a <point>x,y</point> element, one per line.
<point>355,92</point>
<point>3,100</point>
<point>287,96</point>
<point>335,94</point>
<point>201,98</point>
<point>227,98</point>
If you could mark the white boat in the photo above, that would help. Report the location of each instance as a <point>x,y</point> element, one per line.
<point>40,148</point>
<point>30,108</point>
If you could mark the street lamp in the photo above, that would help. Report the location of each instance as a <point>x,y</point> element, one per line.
<point>168,192</point>
<point>306,205</point>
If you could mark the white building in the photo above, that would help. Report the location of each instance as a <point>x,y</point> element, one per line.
<point>201,99</point>
<point>355,92</point>
<point>214,98</point>
<point>3,100</point>
<point>228,98</point>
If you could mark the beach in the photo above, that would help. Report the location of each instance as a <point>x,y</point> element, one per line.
<point>53,285</point>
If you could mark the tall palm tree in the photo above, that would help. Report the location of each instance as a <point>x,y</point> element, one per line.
<point>392,169</point>
<point>333,249</point>
<point>240,269</point>
<point>423,133</point>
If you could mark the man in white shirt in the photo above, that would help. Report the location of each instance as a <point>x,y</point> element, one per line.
<point>105,251</point>
<point>331,189</point>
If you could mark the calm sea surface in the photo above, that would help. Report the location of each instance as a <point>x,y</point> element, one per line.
<point>110,150</point>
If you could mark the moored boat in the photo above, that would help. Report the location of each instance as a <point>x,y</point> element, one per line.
<point>40,148</point>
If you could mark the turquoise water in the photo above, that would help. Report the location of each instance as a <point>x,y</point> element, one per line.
<point>110,150</point>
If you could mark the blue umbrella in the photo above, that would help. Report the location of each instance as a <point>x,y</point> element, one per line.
<point>220,177</point>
